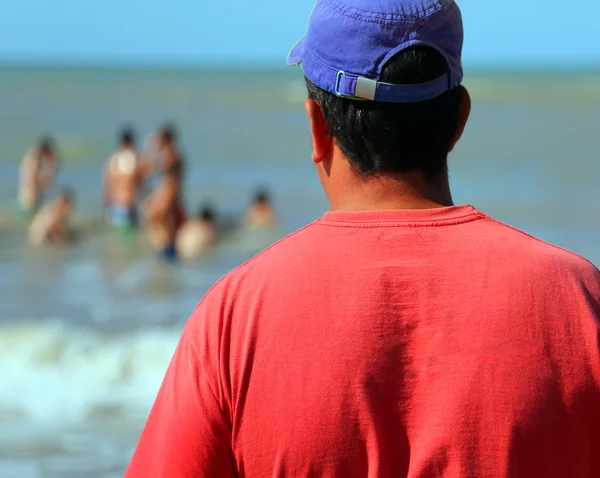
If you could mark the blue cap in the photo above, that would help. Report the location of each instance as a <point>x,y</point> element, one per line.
<point>348,43</point>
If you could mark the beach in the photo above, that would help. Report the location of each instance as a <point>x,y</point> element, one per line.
<point>86,333</point>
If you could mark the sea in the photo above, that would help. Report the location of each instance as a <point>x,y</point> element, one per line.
<point>87,332</point>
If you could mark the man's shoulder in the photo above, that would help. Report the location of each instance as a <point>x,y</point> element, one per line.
<point>283,253</point>
<point>294,252</point>
<point>246,281</point>
<point>532,250</point>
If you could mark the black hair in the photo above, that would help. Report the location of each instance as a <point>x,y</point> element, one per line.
<point>46,143</point>
<point>261,195</point>
<point>206,213</point>
<point>168,133</point>
<point>127,136</point>
<point>382,137</point>
<point>67,193</point>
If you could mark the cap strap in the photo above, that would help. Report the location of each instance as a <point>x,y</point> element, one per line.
<point>359,87</point>
<point>365,88</point>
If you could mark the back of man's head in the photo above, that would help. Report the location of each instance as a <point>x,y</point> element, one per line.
<point>383,137</point>
<point>386,75</point>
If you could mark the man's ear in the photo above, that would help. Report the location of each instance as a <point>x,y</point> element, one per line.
<point>321,139</point>
<point>465,112</point>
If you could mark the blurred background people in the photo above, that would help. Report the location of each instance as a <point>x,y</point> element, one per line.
<point>169,152</point>
<point>122,182</point>
<point>260,213</point>
<point>51,223</point>
<point>197,234</point>
<point>164,213</point>
<point>161,151</point>
<point>38,171</point>
<point>172,168</point>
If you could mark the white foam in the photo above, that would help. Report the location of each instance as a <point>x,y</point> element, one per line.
<point>56,372</point>
<point>19,469</point>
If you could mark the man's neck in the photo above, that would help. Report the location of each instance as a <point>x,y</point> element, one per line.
<point>410,190</point>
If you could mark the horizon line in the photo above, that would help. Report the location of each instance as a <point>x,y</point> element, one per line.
<point>269,65</point>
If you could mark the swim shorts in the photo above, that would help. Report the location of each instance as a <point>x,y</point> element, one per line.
<point>122,218</point>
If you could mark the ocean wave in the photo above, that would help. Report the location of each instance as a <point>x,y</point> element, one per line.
<point>55,372</point>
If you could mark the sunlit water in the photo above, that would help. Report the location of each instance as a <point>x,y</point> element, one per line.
<point>86,333</point>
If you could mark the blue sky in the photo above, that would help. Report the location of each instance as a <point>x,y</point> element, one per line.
<point>498,32</point>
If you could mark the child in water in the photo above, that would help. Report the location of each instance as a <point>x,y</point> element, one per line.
<point>51,223</point>
<point>260,213</point>
<point>197,235</point>
<point>38,170</point>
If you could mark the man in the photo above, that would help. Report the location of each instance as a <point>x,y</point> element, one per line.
<point>161,154</point>
<point>122,180</point>
<point>260,214</point>
<point>168,153</point>
<point>197,234</point>
<point>162,150</point>
<point>164,215</point>
<point>171,162</point>
<point>38,170</point>
<point>51,224</point>
<point>400,335</point>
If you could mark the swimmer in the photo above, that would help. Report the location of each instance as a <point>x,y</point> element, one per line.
<point>169,150</point>
<point>164,213</point>
<point>38,170</point>
<point>260,213</point>
<point>160,153</point>
<point>172,167</point>
<point>197,235</point>
<point>51,223</point>
<point>122,180</point>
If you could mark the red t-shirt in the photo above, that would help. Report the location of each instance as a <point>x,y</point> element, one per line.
<point>435,343</point>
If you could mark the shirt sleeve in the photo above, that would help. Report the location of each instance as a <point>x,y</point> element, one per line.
<point>187,434</point>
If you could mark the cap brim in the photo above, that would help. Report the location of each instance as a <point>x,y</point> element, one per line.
<point>295,56</point>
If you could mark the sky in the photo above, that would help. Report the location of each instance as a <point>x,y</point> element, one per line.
<point>537,33</point>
